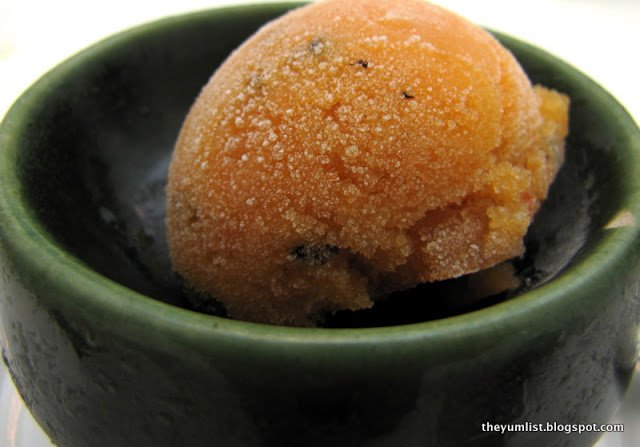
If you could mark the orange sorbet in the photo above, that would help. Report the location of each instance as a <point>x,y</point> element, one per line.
<point>352,148</point>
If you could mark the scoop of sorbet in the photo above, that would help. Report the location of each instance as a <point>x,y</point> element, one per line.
<point>352,148</point>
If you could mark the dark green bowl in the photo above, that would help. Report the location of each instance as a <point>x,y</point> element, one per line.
<point>100,345</point>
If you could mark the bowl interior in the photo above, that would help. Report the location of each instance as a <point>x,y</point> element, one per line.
<point>103,126</point>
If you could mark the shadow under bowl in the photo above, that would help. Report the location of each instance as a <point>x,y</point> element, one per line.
<point>96,329</point>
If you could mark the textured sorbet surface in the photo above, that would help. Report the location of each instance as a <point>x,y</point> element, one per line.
<point>352,148</point>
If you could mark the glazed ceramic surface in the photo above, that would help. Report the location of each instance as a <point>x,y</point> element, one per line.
<point>19,429</point>
<point>96,331</point>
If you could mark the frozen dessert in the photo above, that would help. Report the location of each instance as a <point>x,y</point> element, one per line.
<point>352,148</point>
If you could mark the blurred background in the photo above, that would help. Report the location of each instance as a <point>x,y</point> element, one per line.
<point>599,37</point>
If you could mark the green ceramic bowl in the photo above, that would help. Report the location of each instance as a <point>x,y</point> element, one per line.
<point>99,341</point>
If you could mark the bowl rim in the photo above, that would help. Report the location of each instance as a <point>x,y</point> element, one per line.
<point>42,263</point>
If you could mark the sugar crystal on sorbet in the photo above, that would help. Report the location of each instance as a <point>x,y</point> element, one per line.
<point>352,148</point>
